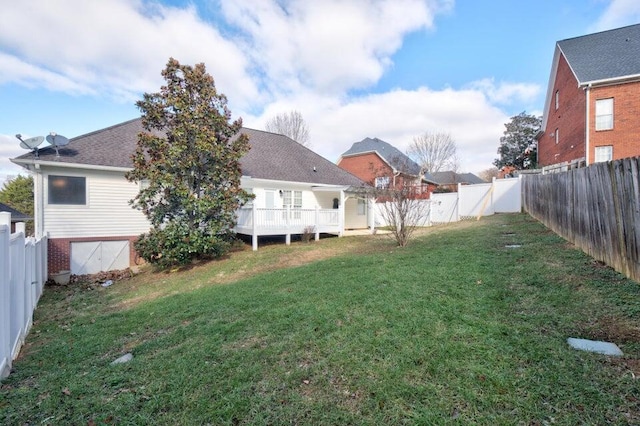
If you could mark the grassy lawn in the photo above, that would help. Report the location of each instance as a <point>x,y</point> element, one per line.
<point>453,329</point>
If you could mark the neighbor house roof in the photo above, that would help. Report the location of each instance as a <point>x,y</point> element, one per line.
<point>451,177</point>
<point>599,58</point>
<point>399,161</point>
<point>16,216</point>
<point>272,156</point>
<point>605,55</point>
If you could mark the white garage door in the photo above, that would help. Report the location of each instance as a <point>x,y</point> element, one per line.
<point>95,256</point>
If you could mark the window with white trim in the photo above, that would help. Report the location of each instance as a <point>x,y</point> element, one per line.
<point>604,114</point>
<point>67,190</point>
<point>557,99</point>
<point>292,199</point>
<point>604,153</point>
<point>382,182</point>
<point>557,135</point>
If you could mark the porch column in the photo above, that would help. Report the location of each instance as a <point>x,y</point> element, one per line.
<point>341,211</point>
<point>254,233</point>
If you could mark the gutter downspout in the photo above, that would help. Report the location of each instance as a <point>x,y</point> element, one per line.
<point>587,130</point>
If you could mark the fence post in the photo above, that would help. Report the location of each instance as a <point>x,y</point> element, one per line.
<point>287,213</point>
<point>5,276</point>
<point>254,227</point>
<point>317,220</point>
<point>458,203</point>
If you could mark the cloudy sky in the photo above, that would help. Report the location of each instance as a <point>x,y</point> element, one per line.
<point>391,69</point>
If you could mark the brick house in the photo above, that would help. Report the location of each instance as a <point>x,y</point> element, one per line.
<point>381,165</point>
<point>593,100</point>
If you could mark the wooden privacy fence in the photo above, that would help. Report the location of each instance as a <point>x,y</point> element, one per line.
<point>597,208</point>
<point>23,272</point>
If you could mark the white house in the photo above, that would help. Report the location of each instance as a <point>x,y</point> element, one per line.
<point>82,197</point>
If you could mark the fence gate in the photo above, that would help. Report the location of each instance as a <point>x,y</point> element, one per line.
<point>91,257</point>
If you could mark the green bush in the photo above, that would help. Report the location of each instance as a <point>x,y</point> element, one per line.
<point>177,245</point>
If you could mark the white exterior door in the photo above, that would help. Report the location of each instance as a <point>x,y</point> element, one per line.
<point>270,203</point>
<point>96,256</point>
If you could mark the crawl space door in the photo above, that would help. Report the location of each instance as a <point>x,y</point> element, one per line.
<point>92,257</point>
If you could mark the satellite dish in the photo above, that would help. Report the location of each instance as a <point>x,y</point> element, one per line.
<point>56,141</point>
<point>31,143</point>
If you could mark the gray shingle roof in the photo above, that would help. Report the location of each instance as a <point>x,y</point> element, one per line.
<point>450,177</point>
<point>396,158</point>
<point>16,216</point>
<point>272,156</point>
<point>605,55</point>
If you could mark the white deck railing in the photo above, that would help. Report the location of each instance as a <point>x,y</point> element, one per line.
<point>263,221</point>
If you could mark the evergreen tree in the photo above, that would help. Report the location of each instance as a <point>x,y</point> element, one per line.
<point>188,159</point>
<point>518,146</point>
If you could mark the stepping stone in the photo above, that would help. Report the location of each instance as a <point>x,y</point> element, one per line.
<point>513,246</point>
<point>597,346</point>
<point>123,359</point>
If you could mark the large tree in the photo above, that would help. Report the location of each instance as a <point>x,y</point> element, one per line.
<point>18,193</point>
<point>290,124</point>
<point>518,143</point>
<point>188,162</point>
<point>434,152</point>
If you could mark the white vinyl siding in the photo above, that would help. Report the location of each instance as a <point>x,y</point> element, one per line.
<point>604,114</point>
<point>107,212</point>
<point>604,153</point>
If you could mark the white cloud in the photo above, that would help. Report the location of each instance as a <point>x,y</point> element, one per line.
<point>397,117</point>
<point>619,13</point>
<point>504,92</point>
<point>9,148</point>
<point>116,48</point>
<point>272,56</point>
<point>329,46</point>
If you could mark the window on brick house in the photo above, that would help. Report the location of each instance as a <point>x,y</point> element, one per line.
<point>604,114</point>
<point>557,135</point>
<point>382,182</point>
<point>604,153</point>
<point>69,190</point>
<point>557,99</point>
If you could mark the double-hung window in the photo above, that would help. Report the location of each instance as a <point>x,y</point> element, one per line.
<point>604,114</point>
<point>382,182</point>
<point>293,200</point>
<point>604,153</point>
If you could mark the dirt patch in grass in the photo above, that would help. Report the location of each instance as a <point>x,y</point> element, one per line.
<point>612,329</point>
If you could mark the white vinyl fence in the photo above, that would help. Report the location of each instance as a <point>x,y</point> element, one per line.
<point>23,272</point>
<point>470,202</point>
<point>473,201</point>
